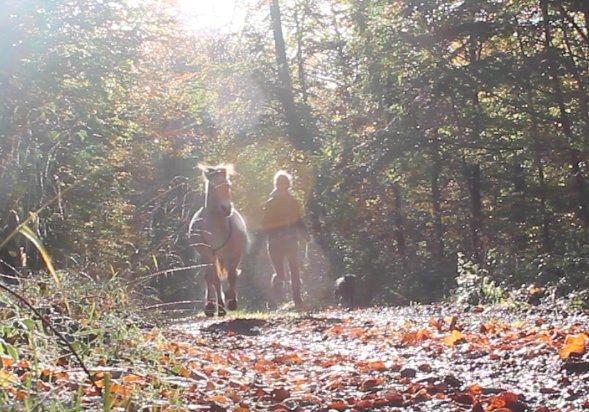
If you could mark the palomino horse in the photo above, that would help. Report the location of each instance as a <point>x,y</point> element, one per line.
<point>218,233</point>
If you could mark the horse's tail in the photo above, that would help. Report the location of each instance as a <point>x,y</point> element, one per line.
<point>221,269</point>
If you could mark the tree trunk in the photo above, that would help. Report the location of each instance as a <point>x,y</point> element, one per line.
<point>438,247</point>
<point>537,148</point>
<point>473,172</point>
<point>538,161</point>
<point>399,222</point>
<point>582,93</point>
<point>296,130</point>
<point>574,155</point>
<point>300,60</point>
<point>587,21</point>
<point>473,179</point>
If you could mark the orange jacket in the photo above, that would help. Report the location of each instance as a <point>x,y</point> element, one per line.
<point>282,215</point>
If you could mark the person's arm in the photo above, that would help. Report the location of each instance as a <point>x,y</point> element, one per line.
<point>300,223</point>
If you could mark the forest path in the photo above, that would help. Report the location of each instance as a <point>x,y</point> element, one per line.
<point>418,358</point>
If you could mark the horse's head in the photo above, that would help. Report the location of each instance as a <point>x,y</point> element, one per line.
<point>218,188</point>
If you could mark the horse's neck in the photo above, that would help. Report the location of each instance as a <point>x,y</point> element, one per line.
<point>208,198</point>
<point>209,208</point>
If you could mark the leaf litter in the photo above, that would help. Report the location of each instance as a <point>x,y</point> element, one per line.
<point>417,358</point>
<point>414,358</point>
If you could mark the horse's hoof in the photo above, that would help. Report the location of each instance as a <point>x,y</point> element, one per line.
<point>232,304</point>
<point>210,309</point>
<point>221,311</point>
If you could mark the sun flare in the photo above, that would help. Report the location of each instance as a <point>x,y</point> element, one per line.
<point>211,15</point>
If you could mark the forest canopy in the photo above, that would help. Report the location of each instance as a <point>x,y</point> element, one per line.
<point>430,140</point>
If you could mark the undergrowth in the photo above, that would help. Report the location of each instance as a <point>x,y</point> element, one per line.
<point>101,322</point>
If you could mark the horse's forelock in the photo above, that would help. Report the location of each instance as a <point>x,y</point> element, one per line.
<point>226,170</point>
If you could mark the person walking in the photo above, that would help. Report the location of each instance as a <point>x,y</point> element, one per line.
<point>282,222</point>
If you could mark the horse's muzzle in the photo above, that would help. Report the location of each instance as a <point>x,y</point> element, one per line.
<point>225,210</point>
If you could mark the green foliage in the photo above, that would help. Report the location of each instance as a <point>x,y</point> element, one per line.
<point>475,287</point>
<point>439,126</point>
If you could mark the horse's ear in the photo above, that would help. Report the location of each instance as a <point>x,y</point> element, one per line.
<point>229,169</point>
<point>205,169</point>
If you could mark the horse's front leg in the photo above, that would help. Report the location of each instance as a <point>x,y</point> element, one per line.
<point>232,292</point>
<point>216,281</point>
<point>210,273</point>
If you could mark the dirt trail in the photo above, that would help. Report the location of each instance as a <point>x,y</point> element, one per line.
<point>414,358</point>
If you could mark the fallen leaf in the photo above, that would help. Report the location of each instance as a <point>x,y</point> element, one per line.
<point>508,401</point>
<point>131,378</point>
<point>24,364</point>
<point>338,404</point>
<point>218,399</point>
<point>454,338</point>
<point>463,398</point>
<point>369,384</point>
<point>121,390</point>
<point>289,359</point>
<point>363,404</point>
<point>574,345</point>
<point>412,338</point>
<point>475,389</point>
<point>6,361</point>
<point>280,394</point>
<point>394,398</point>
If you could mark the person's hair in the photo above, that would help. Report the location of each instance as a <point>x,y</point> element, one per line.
<point>284,176</point>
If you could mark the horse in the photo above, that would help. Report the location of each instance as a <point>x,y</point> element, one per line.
<point>218,233</point>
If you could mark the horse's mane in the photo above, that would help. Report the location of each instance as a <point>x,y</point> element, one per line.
<point>228,168</point>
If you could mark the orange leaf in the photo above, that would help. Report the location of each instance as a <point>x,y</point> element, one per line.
<point>218,399</point>
<point>131,378</point>
<point>120,390</point>
<point>475,389</point>
<point>364,404</point>
<point>24,364</point>
<point>503,400</point>
<point>338,404</point>
<point>455,337</point>
<point>377,365</point>
<point>290,358</point>
<point>6,361</point>
<point>575,345</point>
<point>415,337</point>
<point>184,372</point>
<point>436,323</point>
<point>335,330</point>
<point>369,384</point>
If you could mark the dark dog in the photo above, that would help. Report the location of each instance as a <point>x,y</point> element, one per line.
<point>345,290</point>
